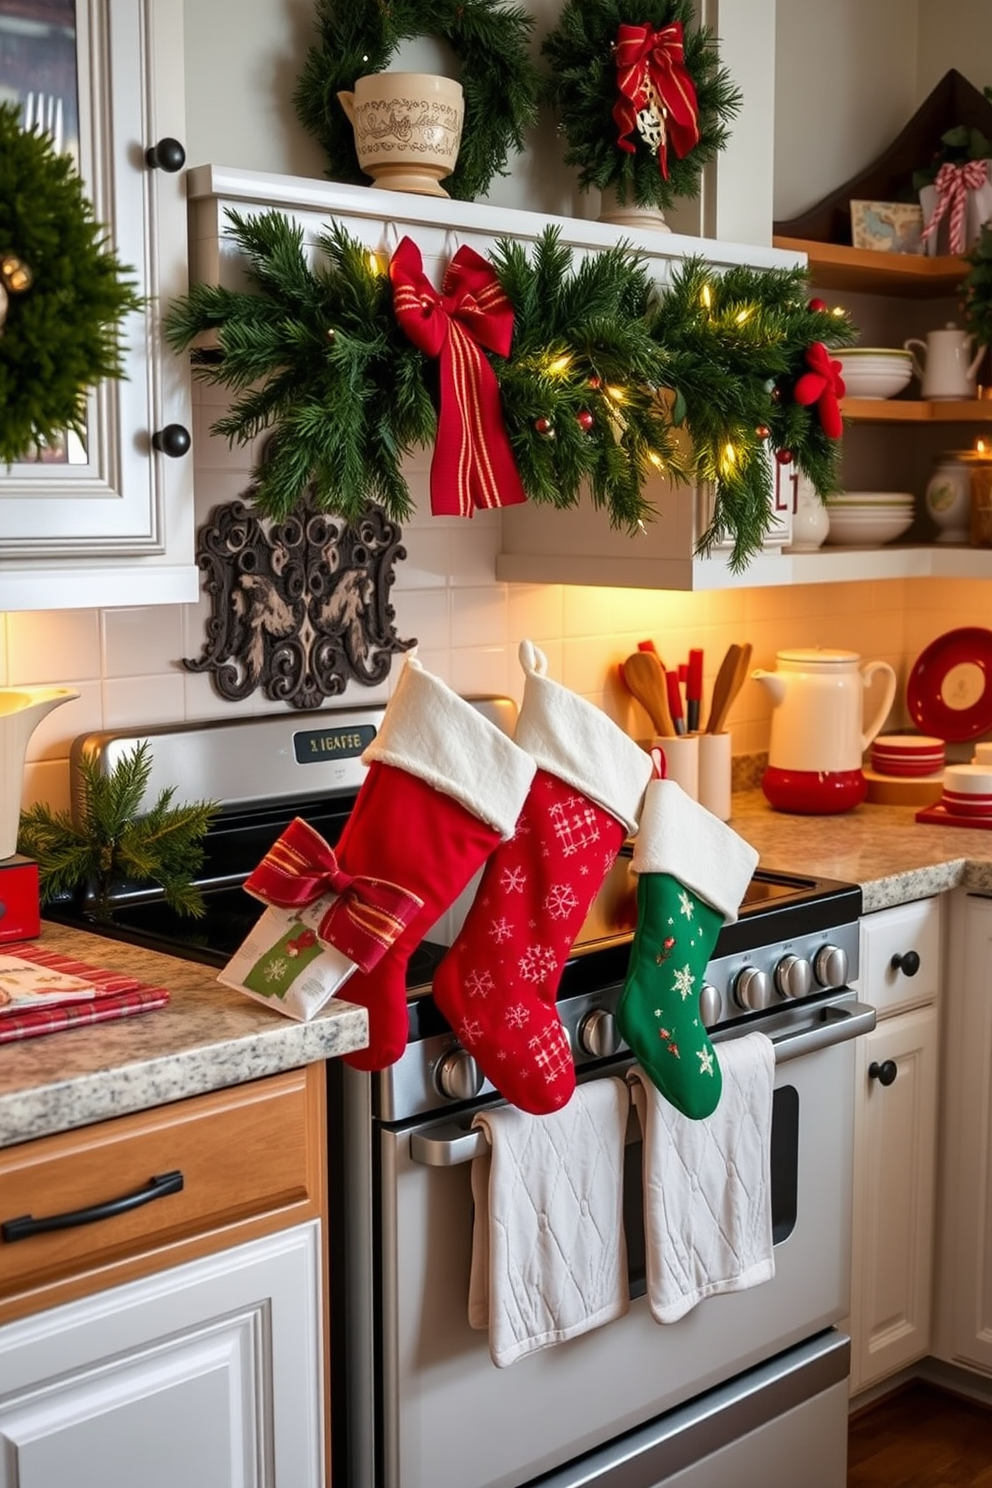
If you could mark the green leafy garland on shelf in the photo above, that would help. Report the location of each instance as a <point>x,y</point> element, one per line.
<point>735,346</point>
<point>582,88</point>
<point>64,292</point>
<point>604,373</point>
<point>976,288</point>
<point>499,81</point>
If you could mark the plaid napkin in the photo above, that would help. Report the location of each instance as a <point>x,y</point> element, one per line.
<point>115,996</point>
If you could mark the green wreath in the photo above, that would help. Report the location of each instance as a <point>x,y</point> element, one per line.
<point>500,83</point>
<point>582,89</point>
<point>64,293</point>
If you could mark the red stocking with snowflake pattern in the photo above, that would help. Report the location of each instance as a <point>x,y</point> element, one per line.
<point>497,984</point>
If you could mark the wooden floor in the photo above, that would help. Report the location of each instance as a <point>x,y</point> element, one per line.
<point>921,1437</point>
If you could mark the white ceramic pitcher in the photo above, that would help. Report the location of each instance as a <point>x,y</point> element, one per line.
<point>21,710</point>
<point>946,371</point>
<point>818,735</point>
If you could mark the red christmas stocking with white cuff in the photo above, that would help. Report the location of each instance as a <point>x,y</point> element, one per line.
<point>497,984</point>
<point>444,787</point>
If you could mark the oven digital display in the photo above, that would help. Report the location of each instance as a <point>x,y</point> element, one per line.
<point>345,742</point>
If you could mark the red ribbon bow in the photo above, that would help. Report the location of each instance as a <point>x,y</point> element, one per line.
<point>953,184</point>
<point>822,385</point>
<point>473,463</point>
<point>368,916</point>
<point>655,61</point>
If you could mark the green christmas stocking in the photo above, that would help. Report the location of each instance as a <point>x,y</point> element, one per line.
<point>692,873</point>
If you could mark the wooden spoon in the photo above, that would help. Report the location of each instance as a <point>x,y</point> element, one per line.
<point>723,690</point>
<point>645,678</point>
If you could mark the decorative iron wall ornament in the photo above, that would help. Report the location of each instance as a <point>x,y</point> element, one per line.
<point>301,607</point>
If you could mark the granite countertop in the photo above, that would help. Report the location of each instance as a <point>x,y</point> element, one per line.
<point>883,848</point>
<point>207,1037</point>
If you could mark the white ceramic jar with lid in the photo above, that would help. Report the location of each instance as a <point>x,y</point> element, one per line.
<point>948,495</point>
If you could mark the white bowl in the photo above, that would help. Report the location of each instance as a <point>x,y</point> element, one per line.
<point>870,500</point>
<point>868,528</point>
<point>871,372</point>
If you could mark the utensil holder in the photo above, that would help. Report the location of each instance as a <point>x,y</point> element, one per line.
<point>681,753</point>
<point>714,790</point>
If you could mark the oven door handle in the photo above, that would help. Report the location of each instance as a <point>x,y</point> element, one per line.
<point>448,1145</point>
<point>835,1023</point>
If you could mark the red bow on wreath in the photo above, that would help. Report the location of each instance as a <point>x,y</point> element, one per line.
<point>368,916</point>
<point>657,95</point>
<point>473,463</point>
<point>822,385</point>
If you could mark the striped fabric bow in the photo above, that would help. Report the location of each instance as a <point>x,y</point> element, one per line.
<point>655,91</point>
<point>473,463</point>
<point>952,185</point>
<point>366,918</point>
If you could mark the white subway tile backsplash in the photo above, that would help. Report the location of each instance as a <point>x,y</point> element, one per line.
<point>138,642</point>
<point>534,612</point>
<point>53,646</point>
<point>53,736</point>
<point>142,702</point>
<point>482,670</point>
<point>422,614</point>
<point>46,781</point>
<point>479,617</point>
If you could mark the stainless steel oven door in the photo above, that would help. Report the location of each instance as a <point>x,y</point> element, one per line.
<point>435,1411</point>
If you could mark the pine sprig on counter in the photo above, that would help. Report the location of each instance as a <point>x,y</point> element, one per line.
<point>111,843</point>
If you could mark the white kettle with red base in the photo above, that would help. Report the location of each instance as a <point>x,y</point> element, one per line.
<point>818,736</point>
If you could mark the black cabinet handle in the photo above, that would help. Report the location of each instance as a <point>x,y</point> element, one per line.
<point>173,440</point>
<point>908,963</point>
<point>167,155</point>
<point>156,1188</point>
<point>885,1073</point>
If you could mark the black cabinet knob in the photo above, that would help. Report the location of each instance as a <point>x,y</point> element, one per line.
<point>908,963</point>
<point>167,155</point>
<point>173,440</point>
<point>885,1073</point>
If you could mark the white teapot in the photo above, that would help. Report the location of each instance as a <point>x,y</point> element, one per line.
<point>946,371</point>
<point>818,736</point>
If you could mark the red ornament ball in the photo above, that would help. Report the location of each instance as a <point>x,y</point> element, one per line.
<point>584,419</point>
<point>595,382</point>
<point>762,431</point>
<point>543,427</point>
<point>817,305</point>
<point>783,456</point>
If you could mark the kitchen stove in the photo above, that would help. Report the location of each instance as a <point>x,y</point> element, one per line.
<point>750,1387</point>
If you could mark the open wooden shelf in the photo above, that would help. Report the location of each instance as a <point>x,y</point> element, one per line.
<point>913,411</point>
<point>836,266</point>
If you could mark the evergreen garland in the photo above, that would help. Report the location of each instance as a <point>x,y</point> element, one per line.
<point>315,356</point>
<point>977,288</point>
<point>499,81</point>
<point>582,89</point>
<point>605,373</point>
<point>62,334</point>
<point>734,347</point>
<point>111,843</point>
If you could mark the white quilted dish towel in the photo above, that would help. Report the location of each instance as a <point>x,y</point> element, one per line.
<point>707,1184</point>
<point>548,1255</point>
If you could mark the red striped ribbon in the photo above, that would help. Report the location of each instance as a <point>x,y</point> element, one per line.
<point>368,915</point>
<point>952,184</point>
<point>644,56</point>
<point>473,463</point>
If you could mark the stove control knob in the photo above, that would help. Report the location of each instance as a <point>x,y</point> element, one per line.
<point>709,1005</point>
<point>458,1076</point>
<point>599,1035</point>
<point>752,989</point>
<point>793,977</point>
<point>830,966</point>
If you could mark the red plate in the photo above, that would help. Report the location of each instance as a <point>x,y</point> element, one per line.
<point>949,692</point>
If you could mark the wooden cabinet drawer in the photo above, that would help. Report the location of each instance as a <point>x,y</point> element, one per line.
<point>905,931</point>
<point>245,1153</point>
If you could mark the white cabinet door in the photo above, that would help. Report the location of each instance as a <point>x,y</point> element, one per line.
<point>895,1140</point>
<point>964,1270</point>
<point>115,524</point>
<point>208,1375</point>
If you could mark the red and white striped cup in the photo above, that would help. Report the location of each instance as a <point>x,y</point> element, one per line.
<point>968,790</point>
<point>907,755</point>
